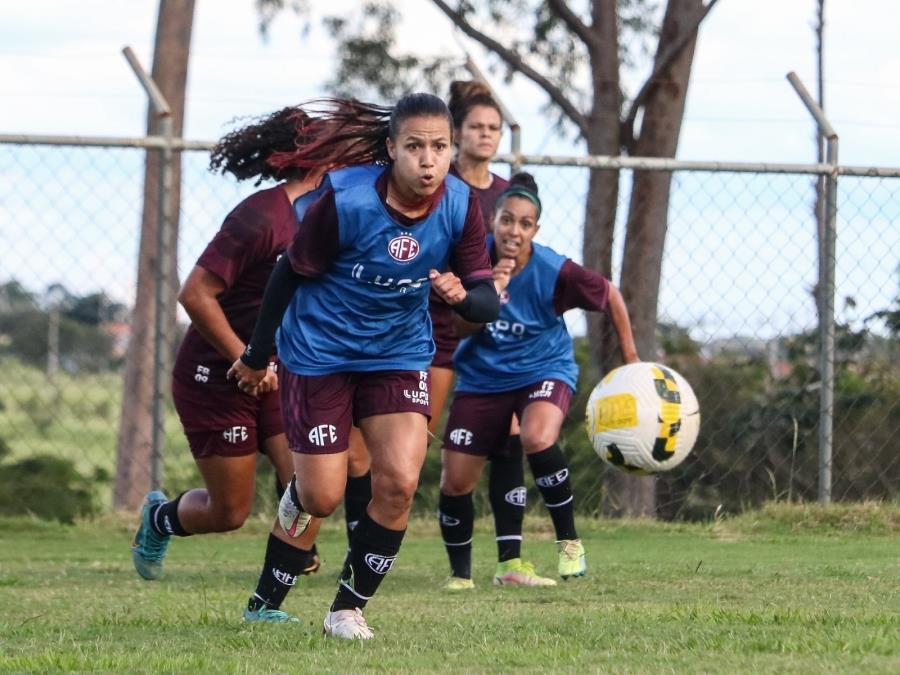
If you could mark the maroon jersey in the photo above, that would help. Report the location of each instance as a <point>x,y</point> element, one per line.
<point>242,254</point>
<point>444,333</point>
<point>487,197</point>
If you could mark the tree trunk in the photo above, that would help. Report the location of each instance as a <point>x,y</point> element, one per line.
<point>603,186</point>
<point>646,227</point>
<point>170,65</point>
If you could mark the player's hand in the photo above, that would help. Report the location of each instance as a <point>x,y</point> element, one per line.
<point>503,272</point>
<point>631,358</point>
<point>448,287</point>
<point>269,382</point>
<point>247,379</point>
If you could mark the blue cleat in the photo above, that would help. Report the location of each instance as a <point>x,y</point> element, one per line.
<point>149,549</point>
<point>266,615</point>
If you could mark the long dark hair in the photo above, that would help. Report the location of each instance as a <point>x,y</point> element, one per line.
<point>344,132</point>
<point>245,152</point>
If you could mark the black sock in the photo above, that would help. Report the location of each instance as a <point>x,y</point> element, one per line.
<point>373,551</point>
<point>279,488</point>
<point>282,565</point>
<point>506,487</point>
<point>357,496</point>
<point>292,486</point>
<point>551,474</point>
<point>164,519</point>
<point>457,517</point>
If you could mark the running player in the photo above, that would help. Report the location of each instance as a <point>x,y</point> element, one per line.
<point>522,364</point>
<point>224,426</point>
<point>477,128</point>
<point>355,343</point>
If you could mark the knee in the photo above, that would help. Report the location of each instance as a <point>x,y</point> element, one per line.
<point>454,486</point>
<point>320,504</point>
<point>231,516</point>
<point>537,441</point>
<point>395,495</point>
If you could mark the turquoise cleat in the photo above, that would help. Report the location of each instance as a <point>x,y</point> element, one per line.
<point>266,615</point>
<point>149,549</point>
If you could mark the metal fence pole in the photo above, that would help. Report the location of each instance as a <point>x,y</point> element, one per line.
<point>826,293</point>
<point>163,273</point>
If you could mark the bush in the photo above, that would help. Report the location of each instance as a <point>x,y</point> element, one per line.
<point>47,487</point>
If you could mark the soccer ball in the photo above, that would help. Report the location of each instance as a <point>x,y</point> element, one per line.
<point>643,418</point>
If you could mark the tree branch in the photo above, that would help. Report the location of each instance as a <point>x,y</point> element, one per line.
<point>574,24</point>
<point>662,63</point>
<point>515,62</point>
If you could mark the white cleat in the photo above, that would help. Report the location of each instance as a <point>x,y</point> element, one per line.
<point>291,517</point>
<point>348,624</point>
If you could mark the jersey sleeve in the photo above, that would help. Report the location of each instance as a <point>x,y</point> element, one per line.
<point>316,243</point>
<point>243,239</point>
<point>579,287</point>
<point>469,259</point>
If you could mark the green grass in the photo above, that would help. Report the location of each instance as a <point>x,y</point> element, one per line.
<point>750,594</point>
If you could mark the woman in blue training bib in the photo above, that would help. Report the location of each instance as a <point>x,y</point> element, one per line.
<point>355,342</point>
<point>521,364</point>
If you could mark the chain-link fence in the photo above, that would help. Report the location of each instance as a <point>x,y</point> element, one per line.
<point>737,316</point>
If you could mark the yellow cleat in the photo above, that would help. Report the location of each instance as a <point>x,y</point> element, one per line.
<point>459,584</point>
<point>515,572</point>
<point>571,558</point>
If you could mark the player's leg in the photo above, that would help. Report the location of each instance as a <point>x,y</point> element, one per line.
<point>475,425</point>
<point>391,410</point>
<point>456,513</point>
<point>226,460</point>
<point>358,492</point>
<point>317,421</point>
<point>542,415</point>
<point>440,380</point>
<point>286,558</point>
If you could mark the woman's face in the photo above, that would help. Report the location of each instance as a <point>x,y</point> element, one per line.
<point>515,224</point>
<point>479,135</point>
<point>421,154</point>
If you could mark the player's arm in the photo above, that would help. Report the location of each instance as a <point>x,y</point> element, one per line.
<point>579,287</point>
<point>618,312</point>
<point>199,297</point>
<point>501,273</point>
<point>250,368</point>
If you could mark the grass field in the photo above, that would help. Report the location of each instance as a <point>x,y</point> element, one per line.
<point>789,589</point>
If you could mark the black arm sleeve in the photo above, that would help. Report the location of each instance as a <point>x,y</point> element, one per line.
<point>279,291</point>
<point>482,304</point>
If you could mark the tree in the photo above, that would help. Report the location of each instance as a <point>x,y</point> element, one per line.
<point>170,65</point>
<point>575,58</point>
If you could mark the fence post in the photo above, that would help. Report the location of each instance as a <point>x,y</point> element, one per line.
<point>163,273</point>
<point>826,292</point>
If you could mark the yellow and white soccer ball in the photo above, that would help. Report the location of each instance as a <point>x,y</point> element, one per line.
<point>643,418</point>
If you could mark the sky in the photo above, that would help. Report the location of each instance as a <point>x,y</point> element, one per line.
<point>62,72</point>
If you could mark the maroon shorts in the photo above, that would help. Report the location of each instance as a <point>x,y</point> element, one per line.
<point>319,410</point>
<point>443,332</point>
<point>479,423</point>
<point>225,422</point>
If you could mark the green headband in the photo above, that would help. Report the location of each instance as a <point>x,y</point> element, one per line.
<point>521,191</point>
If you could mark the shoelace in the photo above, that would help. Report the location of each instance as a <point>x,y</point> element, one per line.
<point>154,546</point>
<point>570,550</point>
<point>359,620</point>
<point>528,568</point>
